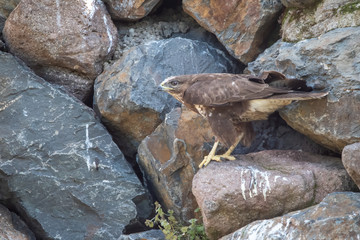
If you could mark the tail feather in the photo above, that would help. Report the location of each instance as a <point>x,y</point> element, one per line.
<point>300,96</point>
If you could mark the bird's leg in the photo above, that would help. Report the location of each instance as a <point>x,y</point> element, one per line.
<point>208,158</point>
<point>227,154</point>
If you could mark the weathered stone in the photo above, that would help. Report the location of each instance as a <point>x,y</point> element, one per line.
<point>130,10</point>
<point>298,3</point>
<point>336,217</point>
<point>148,235</point>
<point>59,167</point>
<point>329,62</point>
<point>12,227</point>
<point>66,42</point>
<point>127,95</point>
<point>243,27</point>
<point>351,160</point>
<point>264,185</point>
<point>170,156</point>
<point>321,17</point>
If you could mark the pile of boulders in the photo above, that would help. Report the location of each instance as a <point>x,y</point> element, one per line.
<point>88,141</point>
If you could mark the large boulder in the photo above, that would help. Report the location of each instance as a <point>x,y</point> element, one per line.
<point>329,62</point>
<point>127,96</point>
<point>318,18</point>
<point>243,27</point>
<point>59,168</point>
<point>130,10</point>
<point>336,217</point>
<point>65,42</point>
<point>351,160</point>
<point>264,185</point>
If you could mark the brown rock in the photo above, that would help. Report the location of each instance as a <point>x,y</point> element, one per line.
<point>264,185</point>
<point>130,10</point>
<point>321,17</point>
<point>62,39</point>
<point>351,160</point>
<point>336,217</point>
<point>170,156</point>
<point>12,227</point>
<point>241,26</point>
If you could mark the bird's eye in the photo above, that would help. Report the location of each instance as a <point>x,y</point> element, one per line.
<point>174,83</point>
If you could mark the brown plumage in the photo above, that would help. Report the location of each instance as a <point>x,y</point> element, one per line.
<point>231,101</point>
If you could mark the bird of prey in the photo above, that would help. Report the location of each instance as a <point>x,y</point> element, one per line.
<point>230,102</point>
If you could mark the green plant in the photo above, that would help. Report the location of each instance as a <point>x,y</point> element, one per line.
<point>172,229</point>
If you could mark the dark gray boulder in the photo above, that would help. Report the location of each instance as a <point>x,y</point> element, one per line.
<point>59,168</point>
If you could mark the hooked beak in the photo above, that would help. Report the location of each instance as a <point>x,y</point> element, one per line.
<point>164,87</point>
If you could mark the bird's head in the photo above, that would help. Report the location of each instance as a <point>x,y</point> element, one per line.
<point>176,85</point>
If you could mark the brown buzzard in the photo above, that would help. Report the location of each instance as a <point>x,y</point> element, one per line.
<point>231,101</point>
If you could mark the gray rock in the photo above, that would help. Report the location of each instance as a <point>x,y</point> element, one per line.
<point>329,62</point>
<point>336,217</point>
<point>127,96</point>
<point>263,185</point>
<point>6,7</point>
<point>298,3</point>
<point>148,235</point>
<point>59,168</point>
<point>351,160</point>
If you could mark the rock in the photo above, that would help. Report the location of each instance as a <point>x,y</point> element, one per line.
<point>264,185</point>
<point>12,227</point>
<point>321,17</point>
<point>127,96</point>
<point>298,3</point>
<point>243,27</point>
<point>154,234</point>
<point>170,156</point>
<point>351,160</point>
<point>59,167</point>
<point>130,10</point>
<point>64,42</point>
<point>326,62</point>
<point>336,217</point>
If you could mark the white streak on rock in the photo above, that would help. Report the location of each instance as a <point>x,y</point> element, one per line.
<point>90,8</point>
<point>242,185</point>
<point>108,34</point>
<point>58,15</point>
<point>4,105</point>
<point>88,145</point>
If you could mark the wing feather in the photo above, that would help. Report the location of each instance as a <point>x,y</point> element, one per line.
<point>219,89</point>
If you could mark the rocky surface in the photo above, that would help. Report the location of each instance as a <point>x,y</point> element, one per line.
<point>59,167</point>
<point>298,3</point>
<point>127,96</point>
<point>64,42</point>
<point>130,10</point>
<point>351,160</point>
<point>148,235</point>
<point>170,156</point>
<point>336,217</point>
<point>264,185</point>
<point>329,62</point>
<point>318,18</point>
<point>12,227</point>
<point>243,27</point>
